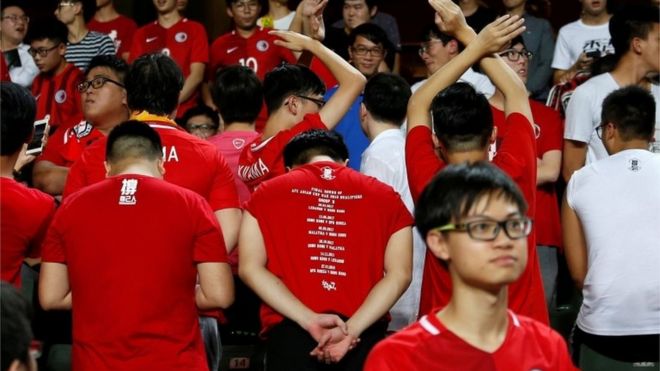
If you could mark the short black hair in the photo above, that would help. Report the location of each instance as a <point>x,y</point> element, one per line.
<point>517,40</point>
<point>200,110</point>
<point>47,28</point>
<point>453,192</point>
<point>386,97</point>
<point>316,142</point>
<point>290,79</point>
<point>15,323</point>
<point>229,2</point>
<point>238,94</point>
<point>630,21</point>
<point>632,111</point>
<point>371,3</point>
<point>111,62</point>
<point>462,118</point>
<point>18,112</point>
<point>7,3</point>
<point>432,32</point>
<point>371,32</point>
<point>153,84</point>
<point>133,139</point>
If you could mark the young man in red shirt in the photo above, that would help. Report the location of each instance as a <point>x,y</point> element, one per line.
<point>104,106</point>
<point>463,131</point>
<point>318,267</point>
<point>55,86</point>
<point>294,98</point>
<point>25,212</point>
<point>472,217</point>
<point>183,40</point>
<point>119,27</point>
<point>135,291</point>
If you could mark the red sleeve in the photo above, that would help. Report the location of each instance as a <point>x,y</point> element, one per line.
<point>517,152</point>
<point>224,194</point>
<point>53,246</point>
<point>552,132</point>
<point>38,240</point>
<point>422,162</point>
<point>54,148</point>
<point>263,159</point>
<point>200,45</point>
<point>209,244</point>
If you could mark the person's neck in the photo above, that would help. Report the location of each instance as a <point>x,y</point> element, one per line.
<point>375,128</point>
<point>320,158</point>
<point>240,126</point>
<point>468,7</point>
<point>459,157</point>
<point>245,33</point>
<point>595,20</point>
<point>7,164</point>
<point>136,167</point>
<point>108,122</point>
<point>631,70</point>
<point>277,10</point>
<point>57,70</point>
<point>167,20</point>
<point>106,13</point>
<point>518,10</point>
<point>277,121</point>
<point>642,144</point>
<point>478,316</point>
<point>77,30</point>
<point>8,44</point>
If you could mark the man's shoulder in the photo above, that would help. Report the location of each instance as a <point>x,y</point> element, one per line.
<point>32,196</point>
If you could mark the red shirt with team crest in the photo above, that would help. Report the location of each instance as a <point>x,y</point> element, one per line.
<point>58,97</point>
<point>64,147</point>
<point>185,42</point>
<point>190,162</point>
<point>133,275</point>
<point>120,30</point>
<point>429,345</point>
<point>231,144</point>
<point>516,156</point>
<point>329,251</point>
<point>263,159</point>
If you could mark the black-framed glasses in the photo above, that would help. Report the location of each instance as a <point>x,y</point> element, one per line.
<point>514,55</point>
<point>599,130</point>
<point>96,83</point>
<point>487,230</point>
<point>363,51</point>
<point>426,45</point>
<point>15,18</point>
<point>201,127</point>
<point>42,52</point>
<point>319,102</point>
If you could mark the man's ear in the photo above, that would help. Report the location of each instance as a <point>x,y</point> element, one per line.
<point>230,13</point>
<point>493,135</point>
<point>107,168</point>
<point>373,11</point>
<point>438,245</point>
<point>363,112</point>
<point>452,46</point>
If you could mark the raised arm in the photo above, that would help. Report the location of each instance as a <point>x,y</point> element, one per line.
<point>351,82</point>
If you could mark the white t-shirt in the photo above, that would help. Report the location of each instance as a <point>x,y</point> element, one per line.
<point>28,70</point>
<point>584,109</point>
<point>479,81</point>
<point>384,160</point>
<point>576,38</point>
<point>617,200</point>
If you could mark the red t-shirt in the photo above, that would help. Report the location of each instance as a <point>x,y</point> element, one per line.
<point>231,144</point>
<point>120,30</point>
<point>64,147</point>
<point>58,97</point>
<point>189,162</point>
<point>263,159</point>
<point>429,345</point>
<point>133,272</point>
<point>185,42</point>
<point>320,251</point>
<point>26,214</point>
<point>517,157</point>
<point>4,71</point>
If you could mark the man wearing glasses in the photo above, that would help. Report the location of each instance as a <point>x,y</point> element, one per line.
<point>55,87</point>
<point>13,29</point>
<point>104,106</point>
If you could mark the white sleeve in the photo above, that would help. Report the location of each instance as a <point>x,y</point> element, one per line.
<point>562,59</point>
<point>578,125</point>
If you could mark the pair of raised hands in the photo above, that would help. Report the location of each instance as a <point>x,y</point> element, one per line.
<point>333,337</point>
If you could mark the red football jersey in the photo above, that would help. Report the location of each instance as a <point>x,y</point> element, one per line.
<point>185,42</point>
<point>231,144</point>
<point>64,147</point>
<point>189,162</point>
<point>320,251</point>
<point>517,157</point>
<point>120,30</point>
<point>58,97</point>
<point>263,159</point>
<point>132,271</point>
<point>550,136</point>
<point>429,345</point>
<point>26,214</point>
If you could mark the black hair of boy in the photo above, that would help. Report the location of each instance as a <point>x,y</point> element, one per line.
<point>200,110</point>
<point>632,21</point>
<point>371,32</point>
<point>111,62</point>
<point>304,146</point>
<point>238,94</point>
<point>15,323</point>
<point>18,111</point>
<point>632,111</point>
<point>386,97</point>
<point>287,80</point>
<point>48,28</point>
<point>462,119</point>
<point>133,140</point>
<point>153,84</point>
<point>452,193</point>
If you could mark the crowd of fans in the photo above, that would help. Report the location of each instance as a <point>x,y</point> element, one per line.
<point>166,198</point>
